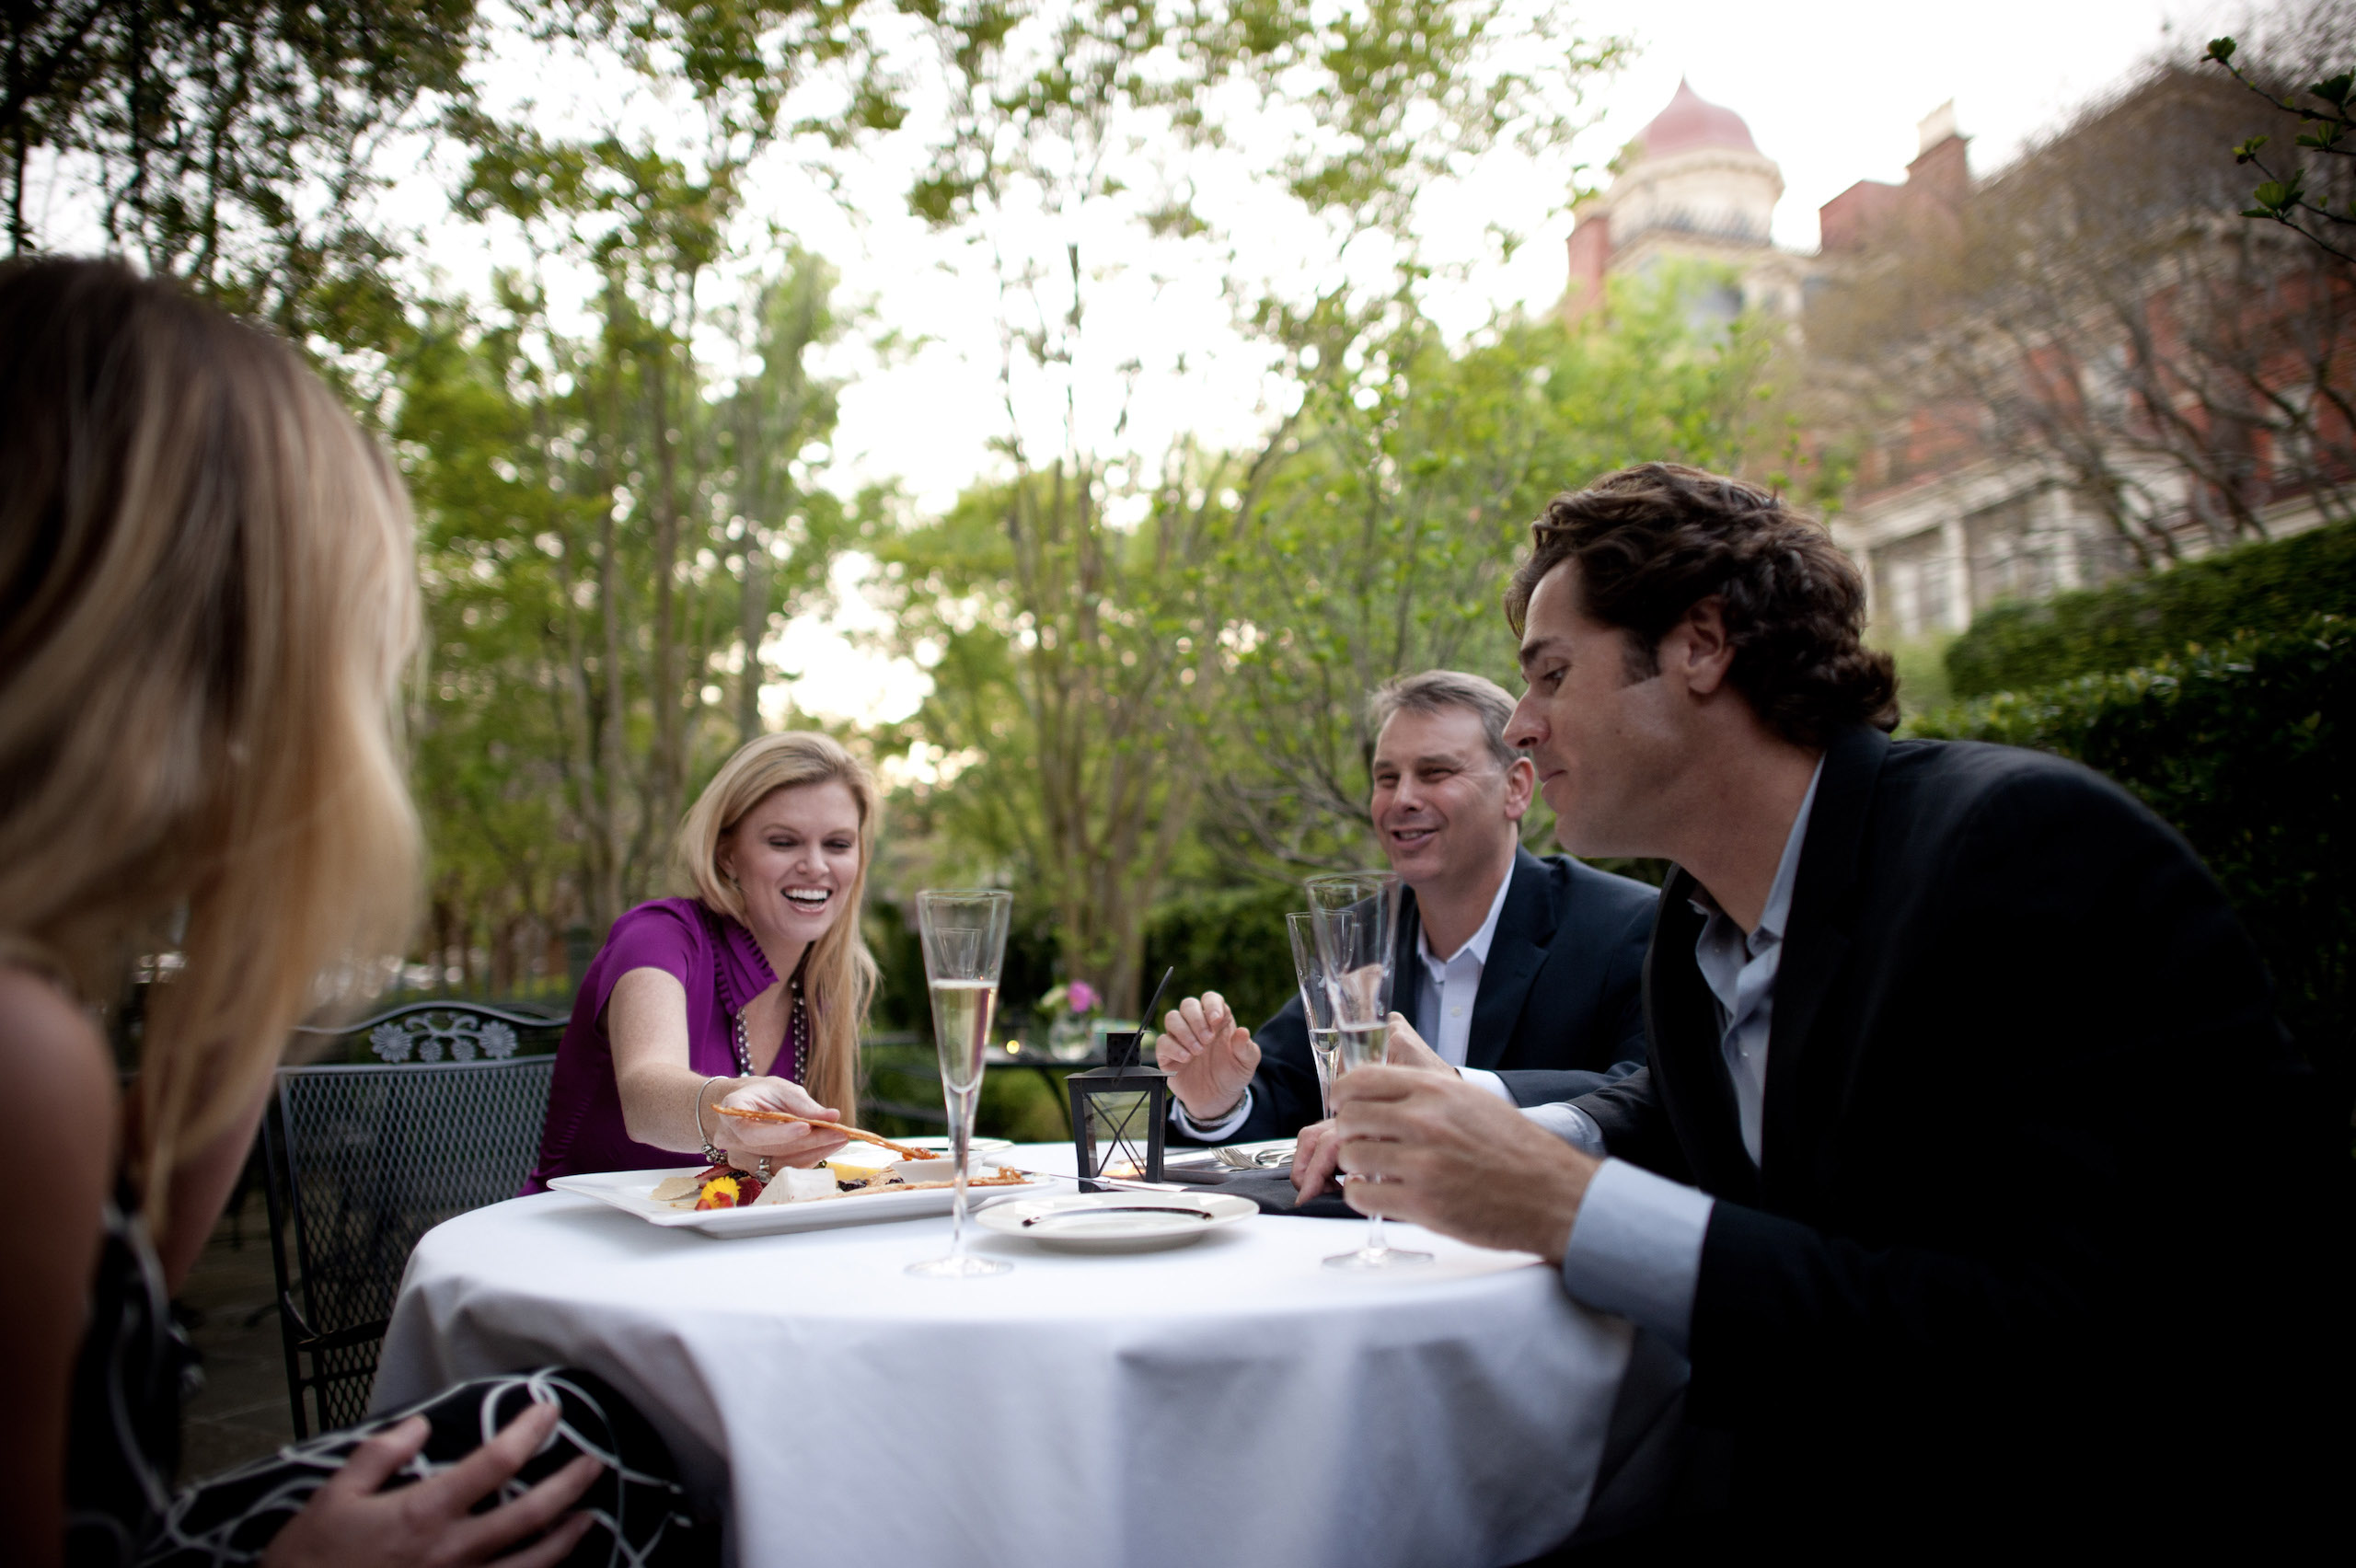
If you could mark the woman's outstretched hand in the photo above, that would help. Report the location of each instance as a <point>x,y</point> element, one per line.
<point>352,1522</point>
<point>785,1143</point>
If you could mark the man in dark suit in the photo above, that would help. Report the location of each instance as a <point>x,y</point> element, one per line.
<point>1915,1176</point>
<point>1508,963</point>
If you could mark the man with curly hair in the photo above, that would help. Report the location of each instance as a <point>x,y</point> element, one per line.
<point>1910,1184</point>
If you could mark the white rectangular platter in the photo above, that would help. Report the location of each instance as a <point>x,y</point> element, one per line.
<point>631,1191</point>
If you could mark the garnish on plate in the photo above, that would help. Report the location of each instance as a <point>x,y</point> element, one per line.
<point>725,1186</point>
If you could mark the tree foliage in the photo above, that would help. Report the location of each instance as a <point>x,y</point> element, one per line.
<point>234,144</point>
<point>2306,186</point>
<point>567,635</point>
<point>1394,506</point>
<point>1076,609</point>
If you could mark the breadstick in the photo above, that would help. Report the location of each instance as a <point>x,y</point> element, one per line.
<point>903,1151</point>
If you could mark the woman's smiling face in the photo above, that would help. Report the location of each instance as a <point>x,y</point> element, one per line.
<point>794,857</point>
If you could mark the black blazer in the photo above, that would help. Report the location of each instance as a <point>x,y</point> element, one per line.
<point>2028,1119</point>
<point>1560,995</point>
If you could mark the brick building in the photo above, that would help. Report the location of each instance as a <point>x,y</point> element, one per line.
<point>1960,501</point>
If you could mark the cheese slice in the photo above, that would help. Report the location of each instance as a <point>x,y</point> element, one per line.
<point>791,1185</point>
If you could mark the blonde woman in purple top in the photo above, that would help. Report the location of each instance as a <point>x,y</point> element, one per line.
<point>750,994</point>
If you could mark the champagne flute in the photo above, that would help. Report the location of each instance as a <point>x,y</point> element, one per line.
<point>1355,917</point>
<point>1316,1003</point>
<point>963,933</point>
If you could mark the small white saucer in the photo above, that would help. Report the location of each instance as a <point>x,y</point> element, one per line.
<point>1115,1222</point>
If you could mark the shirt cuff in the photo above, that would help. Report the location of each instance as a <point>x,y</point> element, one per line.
<point>1225,1127</point>
<point>1488,1080</point>
<point>1636,1249</point>
<point>1570,1124</point>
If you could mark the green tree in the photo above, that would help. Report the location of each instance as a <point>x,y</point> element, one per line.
<point>687,526</point>
<point>2299,185</point>
<point>1093,567</point>
<point>1408,482</point>
<point>234,144</point>
<point>536,719</point>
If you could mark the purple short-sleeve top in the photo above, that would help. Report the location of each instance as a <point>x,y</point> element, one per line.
<point>722,968</point>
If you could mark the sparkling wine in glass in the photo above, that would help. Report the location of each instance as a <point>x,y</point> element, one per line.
<point>964,934</point>
<point>1356,916</point>
<point>1316,1003</point>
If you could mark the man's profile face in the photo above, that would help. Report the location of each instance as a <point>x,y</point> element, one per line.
<point>1604,745</point>
<point>1442,806</point>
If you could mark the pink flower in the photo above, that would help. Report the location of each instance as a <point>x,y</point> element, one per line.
<point>1082,996</point>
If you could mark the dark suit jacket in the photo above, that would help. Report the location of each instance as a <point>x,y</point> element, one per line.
<point>1560,995</point>
<point>2029,1120</point>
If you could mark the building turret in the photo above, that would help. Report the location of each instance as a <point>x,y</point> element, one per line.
<point>1693,184</point>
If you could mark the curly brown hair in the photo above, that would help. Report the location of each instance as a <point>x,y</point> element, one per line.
<point>1654,540</point>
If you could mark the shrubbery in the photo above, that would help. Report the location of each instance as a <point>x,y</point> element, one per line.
<point>2275,584</point>
<point>2248,748</point>
<point>1232,942</point>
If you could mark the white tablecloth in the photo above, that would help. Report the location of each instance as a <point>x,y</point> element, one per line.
<point>1228,1405</point>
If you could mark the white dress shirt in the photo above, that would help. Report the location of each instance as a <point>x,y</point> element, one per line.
<point>1443,1016</point>
<point>1635,1247</point>
<point>1444,1003</point>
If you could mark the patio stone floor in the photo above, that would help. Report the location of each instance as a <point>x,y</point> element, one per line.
<point>241,1414</point>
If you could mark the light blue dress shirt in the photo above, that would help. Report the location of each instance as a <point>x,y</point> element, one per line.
<point>1635,1247</point>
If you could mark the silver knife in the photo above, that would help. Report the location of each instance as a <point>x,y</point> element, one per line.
<point>1116,1208</point>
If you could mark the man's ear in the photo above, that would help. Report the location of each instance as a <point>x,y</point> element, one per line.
<point>1521,782</point>
<point>1697,650</point>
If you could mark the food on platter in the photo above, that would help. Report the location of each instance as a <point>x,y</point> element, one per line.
<point>725,1186</point>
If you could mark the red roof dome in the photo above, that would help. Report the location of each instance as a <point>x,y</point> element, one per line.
<point>1689,122</point>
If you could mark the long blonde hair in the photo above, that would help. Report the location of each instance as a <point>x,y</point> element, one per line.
<point>838,976</point>
<point>207,594</point>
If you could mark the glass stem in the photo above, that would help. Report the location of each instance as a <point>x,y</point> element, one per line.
<point>961,1140</point>
<point>1374,1243</point>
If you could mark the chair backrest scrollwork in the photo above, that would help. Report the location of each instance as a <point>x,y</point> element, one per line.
<point>459,1035</point>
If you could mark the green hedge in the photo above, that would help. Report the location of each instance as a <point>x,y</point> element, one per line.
<point>1232,942</point>
<point>2262,587</point>
<point>2250,749</point>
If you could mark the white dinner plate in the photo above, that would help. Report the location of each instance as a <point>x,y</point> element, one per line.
<point>1115,1222</point>
<point>632,1193</point>
<point>940,1144</point>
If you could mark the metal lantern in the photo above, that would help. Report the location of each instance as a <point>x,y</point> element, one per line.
<point>1118,1113</point>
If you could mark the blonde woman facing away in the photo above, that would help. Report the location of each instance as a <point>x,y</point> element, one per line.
<point>207,596</point>
<point>752,992</point>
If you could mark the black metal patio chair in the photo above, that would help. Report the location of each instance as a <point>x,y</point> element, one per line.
<point>364,1160</point>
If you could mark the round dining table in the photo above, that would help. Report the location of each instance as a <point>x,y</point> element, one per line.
<point>1227,1404</point>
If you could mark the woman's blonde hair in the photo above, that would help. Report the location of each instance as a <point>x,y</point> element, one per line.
<point>207,595</point>
<point>838,976</point>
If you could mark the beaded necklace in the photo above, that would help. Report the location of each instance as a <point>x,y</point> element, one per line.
<point>797,1026</point>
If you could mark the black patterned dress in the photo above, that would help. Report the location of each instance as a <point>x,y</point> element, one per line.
<point>136,1367</point>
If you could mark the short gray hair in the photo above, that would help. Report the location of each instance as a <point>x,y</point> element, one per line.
<point>1436,691</point>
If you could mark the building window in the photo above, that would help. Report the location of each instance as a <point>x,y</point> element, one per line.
<point>1915,583</point>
